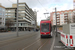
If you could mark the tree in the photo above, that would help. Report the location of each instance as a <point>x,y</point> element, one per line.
<point>38,26</point>
<point>69,21</point>
<point>9,23</point>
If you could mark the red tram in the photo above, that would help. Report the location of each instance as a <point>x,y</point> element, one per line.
<point>45,28</point>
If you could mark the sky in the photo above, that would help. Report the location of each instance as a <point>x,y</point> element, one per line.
<point>42,6</point>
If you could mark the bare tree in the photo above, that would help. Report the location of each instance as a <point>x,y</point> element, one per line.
<point>69,21</point>
<point>9,23</point>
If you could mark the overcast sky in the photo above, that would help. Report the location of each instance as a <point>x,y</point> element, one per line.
<point>42,6</point>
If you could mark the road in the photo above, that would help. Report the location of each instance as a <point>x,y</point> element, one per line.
<point>9,35</point>
<point>31,41</point>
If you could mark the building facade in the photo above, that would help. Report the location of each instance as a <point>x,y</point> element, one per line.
<point>11,14</point>
<point>2,16</point>
<point>25,16</point>
<point>63,17</point>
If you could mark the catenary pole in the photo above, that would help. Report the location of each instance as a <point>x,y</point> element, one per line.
<point>56,20</point>
<point>17,19</point>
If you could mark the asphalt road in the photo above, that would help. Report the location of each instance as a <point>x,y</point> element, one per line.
<point>9,35</point>
<point>28,41</point>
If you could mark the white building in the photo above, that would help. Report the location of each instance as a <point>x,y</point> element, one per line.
<point>25,16</point>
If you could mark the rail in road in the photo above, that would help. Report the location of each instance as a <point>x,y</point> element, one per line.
<point>31,42</point>
<point>9,35</point>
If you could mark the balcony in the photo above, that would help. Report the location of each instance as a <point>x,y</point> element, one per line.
<point>21,5</point>
<point>21,9</point>
<point>66,19</point>
<point>21,12</point>
<point>10,17</point>
<point>24,19</point>
<point>10,12</point>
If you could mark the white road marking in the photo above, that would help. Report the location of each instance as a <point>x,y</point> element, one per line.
<point>30,45</point>
<point>52,44</point>
<point>42,45</point>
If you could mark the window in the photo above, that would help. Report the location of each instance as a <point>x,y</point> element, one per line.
<point>54,13</point>
<point>57,13</point>
<point>21,8</point>
<point>21,14</point>
<point>0,23</point>
<point>6,14</point>
<point>73,11</point>
<point>0,13</point>
<point>21,24</point>
<point>69,13</point>
<point>0,18</point>
<point>3,14</point>
<point>12,10</point>
<point>0,8</point>
<point>3,10</point>
<point>45,27</point>
<point>21,11</point>
<point>21,4</point>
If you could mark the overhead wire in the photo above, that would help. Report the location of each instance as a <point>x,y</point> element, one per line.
<point>10,1</point>
<point>41,5</point>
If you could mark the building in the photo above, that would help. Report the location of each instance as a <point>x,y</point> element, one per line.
<point>2,16</point>
<point>25,16</point>
<point>74,13</point>
<point>11,14</point>
<point>63,17</point>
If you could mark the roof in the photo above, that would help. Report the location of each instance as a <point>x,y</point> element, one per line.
<point>11,8</point>
<point>2,6</point>
<point>45,21</point>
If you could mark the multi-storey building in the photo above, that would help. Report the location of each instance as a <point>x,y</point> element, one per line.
<point>2,16</point>
<point>11,14</point>
<point>63,17</point>
<point>25,16</point>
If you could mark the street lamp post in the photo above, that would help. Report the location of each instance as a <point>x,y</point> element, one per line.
<point>17,19</point>
<point>56,21</point>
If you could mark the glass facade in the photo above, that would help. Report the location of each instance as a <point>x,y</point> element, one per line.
<point>0,13</point>
<point>0,8</point>
<point>2,16</point>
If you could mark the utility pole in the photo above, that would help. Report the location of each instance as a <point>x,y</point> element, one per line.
<point>17,19</point>
<point>56,21</point>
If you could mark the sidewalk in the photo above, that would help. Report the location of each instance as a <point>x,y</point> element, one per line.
<point>59,45</point>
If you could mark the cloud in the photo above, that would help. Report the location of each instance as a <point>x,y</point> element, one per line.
<point>5,3</point>
<point>42,5</point>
